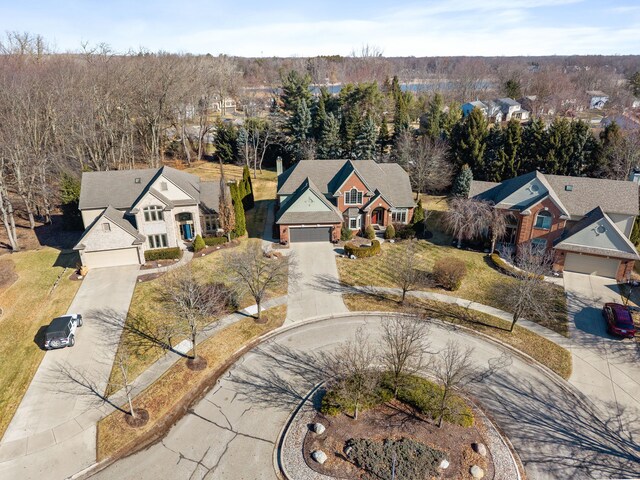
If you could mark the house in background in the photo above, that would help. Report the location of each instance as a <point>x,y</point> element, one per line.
<point>126,212</point>
<point>315,197</point>
<point>597,99</point>
<point>499,110</point>
<point>512,109</point>
<point>587,222</point>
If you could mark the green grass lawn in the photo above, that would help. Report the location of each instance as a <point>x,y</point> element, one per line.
<point>544,351</point>
<point>481,284</point>
<point>27,305</point>
<point>148,310</point>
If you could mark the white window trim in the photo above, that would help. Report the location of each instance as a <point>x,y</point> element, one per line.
<point>153,211</point>
<point>397,211</point>
<point>358,223</point>
<point>348,194</point>
<point>543,214</point>
<point>158,241</point>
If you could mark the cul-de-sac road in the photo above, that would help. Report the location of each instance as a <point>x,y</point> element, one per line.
<point>231,433</point>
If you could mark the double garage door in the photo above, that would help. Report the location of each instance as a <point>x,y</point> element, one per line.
<point>112,258</point>
<point>309,234</point>
<point>603,267</point>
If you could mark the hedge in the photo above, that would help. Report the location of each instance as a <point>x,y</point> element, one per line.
<point>364,251</point>
<point>505,268</point>
<point>212,241</point>
<point>163,254</point>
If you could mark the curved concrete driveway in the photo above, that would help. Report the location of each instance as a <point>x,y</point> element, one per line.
<point>231,433</point>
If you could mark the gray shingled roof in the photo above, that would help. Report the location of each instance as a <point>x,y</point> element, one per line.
<point>117,217</point>
<point>286,217</point>
<point>119,188</point>
<point>210,195</point>
<point>564,242</point>
<point>613,196</point>
<point>388,178</point>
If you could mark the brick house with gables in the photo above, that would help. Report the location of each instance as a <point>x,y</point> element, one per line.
<point>315,197</point>
<point>587,222</point>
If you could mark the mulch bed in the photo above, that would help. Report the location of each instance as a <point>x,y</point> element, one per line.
<point>215,248</point>
<point>140,420</point>
<point>149,276</point>
<point>158,264</point>
<point>395,420</point>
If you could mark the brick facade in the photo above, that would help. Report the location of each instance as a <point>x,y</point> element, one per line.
<point>624,269</point>
<point>335,232</point>
<point>527,231</point>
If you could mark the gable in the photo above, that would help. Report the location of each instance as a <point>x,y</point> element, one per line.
<point>601,234</point>
<point>528,194</point>
<point>172,192</point>
<point>97,238</point>
<point>308,201</point>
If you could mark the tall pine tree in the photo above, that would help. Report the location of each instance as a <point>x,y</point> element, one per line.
<point>469,142</point>
<point>330,143</point>
<point>365,145</point>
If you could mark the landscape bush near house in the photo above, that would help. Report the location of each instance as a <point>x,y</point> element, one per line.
<point>163,254</point>
<point>198,244</point>
<point>405,232</point>
<point>449,272</point>
<point>345,233</point>
<point>390,232</point>
<point>506,268</point>
<point>369,233</point>
<point>214,241</point>
<point>412,460</point>
<point>363,251</point>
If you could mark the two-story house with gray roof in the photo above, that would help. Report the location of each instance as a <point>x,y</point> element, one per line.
<point>315,197</point>
<point>587,222</point>
<point>126,212</point>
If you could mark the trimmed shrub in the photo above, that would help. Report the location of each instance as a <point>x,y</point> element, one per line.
<point>390,232</point>
<point>364,251</point>
<point>370,233</point>
<point>198,244</point>
<point>448,272</point>
<point>413,460</point>
<point>241,223</point>
<point>212,241</point>
<point>405,232</point>
<point>163,254</point>
<point>345,232</point>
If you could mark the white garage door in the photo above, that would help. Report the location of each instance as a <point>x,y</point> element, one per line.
<point>112,258</point>
<point>604,267</point>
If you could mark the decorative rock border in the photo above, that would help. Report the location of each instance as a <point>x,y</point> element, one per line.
<point>292,465</point>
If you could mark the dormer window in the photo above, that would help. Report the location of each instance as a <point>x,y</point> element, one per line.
<point>543,220</point>
<point>353,197</point>
<point>153,213</point>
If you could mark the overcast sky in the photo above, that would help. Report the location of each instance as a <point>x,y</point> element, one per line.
<point>286,28</point>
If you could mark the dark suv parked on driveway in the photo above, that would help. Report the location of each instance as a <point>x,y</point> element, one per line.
<point>61,332</point>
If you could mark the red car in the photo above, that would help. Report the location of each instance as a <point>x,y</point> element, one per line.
<point>619,321</point>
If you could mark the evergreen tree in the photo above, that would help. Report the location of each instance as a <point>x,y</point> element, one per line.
<point>432,121</point>
<point>330,144</point>
<point>226,142</point>
<point>585,154</point>
<point>560,147</point>
<point>635,233</point>
<point>349,130</point>
<point>494,155</point>
<point>384,138</point>
<point>248,199</point>
<point>469,142</point>
<point>69,201</point>
<point>418,213</point>
<point>365,144</point>
<point>319,116</point>
<point>401,118</point>
<point>450,118</point>
<point>295,89</point>
<point>512,88</point>
<point>512,140</point>
<point>534,147</point>
<point>634,84</point>
<point>300,128</point>
<point>462,183</point>
<point>396,91</point>
<point>240,227</point>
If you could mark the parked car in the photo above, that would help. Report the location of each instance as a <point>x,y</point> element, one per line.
<point>61,332</point>
<point>619,321</point>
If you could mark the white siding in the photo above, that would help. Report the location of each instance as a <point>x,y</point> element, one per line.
<point>172,192</point>
<point>88,216</point>
<point>113,238</point>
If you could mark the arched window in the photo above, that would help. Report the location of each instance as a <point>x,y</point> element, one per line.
<point>153,213</point>
<point>543,220</point>
<point>353,197</point>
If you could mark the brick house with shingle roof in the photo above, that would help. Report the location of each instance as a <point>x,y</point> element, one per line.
<point>587,222</point>
<point>315,197</point>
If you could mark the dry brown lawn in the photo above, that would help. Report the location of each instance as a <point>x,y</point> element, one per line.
<point>541,349</point>
<point>28,304</point>
<point>167,398</point>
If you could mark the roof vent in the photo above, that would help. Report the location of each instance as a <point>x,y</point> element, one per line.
<point>568,188</point>
<point>600,229</point>
<point>137,180</point>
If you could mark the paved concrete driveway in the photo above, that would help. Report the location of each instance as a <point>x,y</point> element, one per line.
<point>48,436</point>
<point>232,432</point>
<point>315,293</point>
<point>605,367</point>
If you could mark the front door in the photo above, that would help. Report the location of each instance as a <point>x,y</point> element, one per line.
<point>377,216</point>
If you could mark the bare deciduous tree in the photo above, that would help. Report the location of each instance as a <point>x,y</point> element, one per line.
<point>529,296</point>
<point>403,270</point>
<point>403,347</point>
<point>254,272</point>
<point>467,218</point>
<point>353,372</point>
<point>193,302</point>
<point>453,369</point>
<point>429,168</point>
